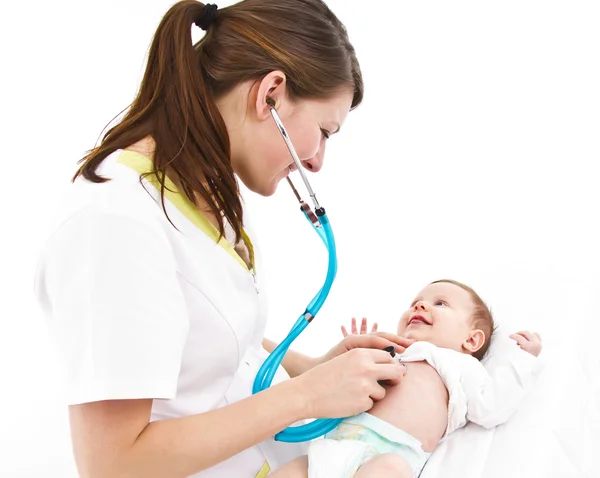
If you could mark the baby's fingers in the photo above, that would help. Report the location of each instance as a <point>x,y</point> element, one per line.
<point>364,325</point>
<point>528,335</point>
<point>519,339</point>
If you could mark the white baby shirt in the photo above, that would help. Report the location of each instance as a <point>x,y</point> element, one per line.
<point>474,395</point>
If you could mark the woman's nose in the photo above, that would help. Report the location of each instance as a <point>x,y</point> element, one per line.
<point>314,164</point>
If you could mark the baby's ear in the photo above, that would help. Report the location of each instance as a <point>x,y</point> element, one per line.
<point>474,341</point>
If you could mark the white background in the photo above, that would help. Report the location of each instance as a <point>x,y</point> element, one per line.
<point>474,157</point>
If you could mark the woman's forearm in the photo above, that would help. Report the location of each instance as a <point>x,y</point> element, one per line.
<point>294,363</point>
<point>180,447</point>
<point>183,446</point>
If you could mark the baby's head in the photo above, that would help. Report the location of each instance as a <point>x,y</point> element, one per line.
<point>449,314</point>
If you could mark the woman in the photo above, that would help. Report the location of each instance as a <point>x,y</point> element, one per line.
<point>150,279</point>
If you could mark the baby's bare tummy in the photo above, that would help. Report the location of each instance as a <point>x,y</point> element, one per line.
<point>418,405</point>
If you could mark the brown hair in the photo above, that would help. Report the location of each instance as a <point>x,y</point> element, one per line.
<point>175,104</point>
<point>482,316</point>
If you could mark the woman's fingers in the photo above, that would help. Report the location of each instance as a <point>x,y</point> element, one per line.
<point>377,356</point>
<point>391,374</point>
<point>403,342</point>
<point>381,366</point>
<point>378,341</point>
<point>378,393</point>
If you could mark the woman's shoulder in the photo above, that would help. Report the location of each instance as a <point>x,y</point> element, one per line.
<point>121,197</point>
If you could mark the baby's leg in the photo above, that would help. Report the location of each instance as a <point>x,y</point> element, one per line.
<point>297,468</point>
<point>386,464</point>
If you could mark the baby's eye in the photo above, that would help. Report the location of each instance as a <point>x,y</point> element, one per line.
<point>440,303</point>
<point>326,134</point>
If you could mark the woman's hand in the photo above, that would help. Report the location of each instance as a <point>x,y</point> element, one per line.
<point>348,384</point>
<point>373,340</point>
<point>381,338</point>
<point>529,341</point>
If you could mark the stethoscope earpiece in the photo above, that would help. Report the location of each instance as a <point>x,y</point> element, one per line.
<point>271,103</point>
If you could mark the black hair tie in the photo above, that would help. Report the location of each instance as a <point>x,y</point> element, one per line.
<point>209,12</point>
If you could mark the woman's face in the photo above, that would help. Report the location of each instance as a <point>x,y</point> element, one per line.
<point>265,159</point>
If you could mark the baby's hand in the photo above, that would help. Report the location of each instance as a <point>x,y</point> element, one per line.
<point>528,341</point>
<point>363,328</point>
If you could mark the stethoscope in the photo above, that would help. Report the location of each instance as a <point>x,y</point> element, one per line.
<point>320,223</point>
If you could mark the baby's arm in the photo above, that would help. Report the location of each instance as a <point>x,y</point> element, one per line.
<point>493,398</point>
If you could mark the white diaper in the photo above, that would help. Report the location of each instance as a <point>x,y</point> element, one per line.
<point>358,439</point>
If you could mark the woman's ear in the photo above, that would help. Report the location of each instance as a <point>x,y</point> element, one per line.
<point>270,92</point>
<point>474,341</point>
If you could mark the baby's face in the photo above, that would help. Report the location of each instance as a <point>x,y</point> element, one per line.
<point>440,314</point>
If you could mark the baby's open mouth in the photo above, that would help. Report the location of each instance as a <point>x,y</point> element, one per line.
<point>418,319</point>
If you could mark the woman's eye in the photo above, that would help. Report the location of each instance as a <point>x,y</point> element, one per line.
<point>326,134</point>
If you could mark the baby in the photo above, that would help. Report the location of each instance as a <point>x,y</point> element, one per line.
<point>444,387</point>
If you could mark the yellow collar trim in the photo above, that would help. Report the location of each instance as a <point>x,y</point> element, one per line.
<point>143,165</point>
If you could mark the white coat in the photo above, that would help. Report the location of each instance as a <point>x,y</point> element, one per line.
<point>139,309</point>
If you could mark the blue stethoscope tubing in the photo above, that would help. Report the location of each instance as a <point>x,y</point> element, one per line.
<point>266,373</point>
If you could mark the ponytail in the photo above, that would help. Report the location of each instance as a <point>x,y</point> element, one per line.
<point>176,108</point>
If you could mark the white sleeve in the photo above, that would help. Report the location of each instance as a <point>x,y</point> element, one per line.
<point>493,398</point>
<point>109,288</point>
